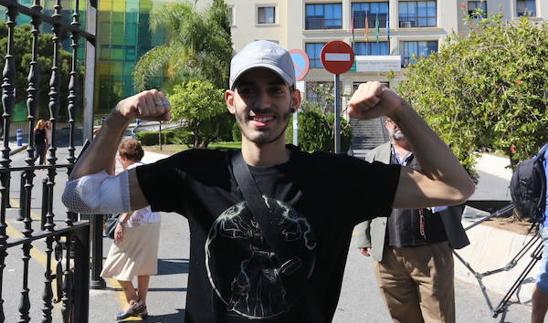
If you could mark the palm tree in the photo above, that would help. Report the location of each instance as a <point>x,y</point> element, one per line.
<point>199,46</point>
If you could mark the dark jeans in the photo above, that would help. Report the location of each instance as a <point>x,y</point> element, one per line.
<point>41,151</point>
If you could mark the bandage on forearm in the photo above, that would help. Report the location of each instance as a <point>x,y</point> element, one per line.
<point>98,193</point>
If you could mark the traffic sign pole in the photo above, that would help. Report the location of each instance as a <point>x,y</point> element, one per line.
<point>302,66</point>
<point>337,125</point>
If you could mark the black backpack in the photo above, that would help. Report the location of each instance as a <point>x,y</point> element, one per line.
<point>528,187</point>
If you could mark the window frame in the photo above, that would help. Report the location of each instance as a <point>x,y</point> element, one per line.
<point>408,59</point>
<point>309,19</point>
<point>429,19</point>
<point>371,16</point>
<point>369,48</point>
<point>231,15</point>
<point>477,4</point>
<point>315,62</point>
<point>526,13</point>
<point>266,22</point>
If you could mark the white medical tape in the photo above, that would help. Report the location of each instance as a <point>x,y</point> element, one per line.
<point>98,193</point>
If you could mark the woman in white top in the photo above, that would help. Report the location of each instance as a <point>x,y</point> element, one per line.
<point>135,248</point>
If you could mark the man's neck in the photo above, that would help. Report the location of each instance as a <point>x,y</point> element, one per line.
<point>271,154</point>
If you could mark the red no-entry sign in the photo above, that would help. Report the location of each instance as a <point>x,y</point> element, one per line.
<point>337,57</point>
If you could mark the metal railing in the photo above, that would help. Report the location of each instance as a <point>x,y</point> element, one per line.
<point>67,240</point>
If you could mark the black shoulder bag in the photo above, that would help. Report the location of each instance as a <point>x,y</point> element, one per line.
<point>253,197</point>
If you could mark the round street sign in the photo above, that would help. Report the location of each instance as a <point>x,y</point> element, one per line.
<point>301,63</point>
<point>337,57</point>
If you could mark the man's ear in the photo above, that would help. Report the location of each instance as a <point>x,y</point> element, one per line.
<point>296,99</point>
<point>229,100</point>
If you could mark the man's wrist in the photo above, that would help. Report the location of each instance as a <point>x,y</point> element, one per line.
<point>397,113</point>
<point>116,117</point>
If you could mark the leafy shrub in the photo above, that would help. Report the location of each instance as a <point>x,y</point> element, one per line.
<point>316,130</point>
<point>202,107</point>
<point>485,90</point>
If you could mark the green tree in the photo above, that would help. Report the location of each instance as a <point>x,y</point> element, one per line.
<point>487,90</point>
<point>198,46</point>
<point>323,91</point>
<point>21,51</point>
<point>201,106</point>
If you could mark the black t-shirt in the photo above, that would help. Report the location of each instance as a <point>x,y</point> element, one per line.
<point>316,199</point>
<point>40,136</point>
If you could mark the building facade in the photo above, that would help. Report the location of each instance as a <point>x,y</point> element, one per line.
<point>376,28</point>
<point>402,29</point>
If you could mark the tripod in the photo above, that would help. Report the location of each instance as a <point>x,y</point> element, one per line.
<point>534,243</point>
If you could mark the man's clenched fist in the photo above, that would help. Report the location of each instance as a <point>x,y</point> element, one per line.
<point>146,105</point>
<point>372,100</point>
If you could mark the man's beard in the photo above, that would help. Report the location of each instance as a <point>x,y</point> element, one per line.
<point>265,140</point>
<point>396,135</point>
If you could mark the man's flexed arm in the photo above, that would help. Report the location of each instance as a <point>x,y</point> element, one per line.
<point>442,180</point>
<point>89,183</point>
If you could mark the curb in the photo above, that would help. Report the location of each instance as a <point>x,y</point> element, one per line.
<point>18,149</point>
<point>492,249</point>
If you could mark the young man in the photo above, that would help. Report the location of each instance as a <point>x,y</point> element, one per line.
<point>314,199</point>
<point>412,248</point>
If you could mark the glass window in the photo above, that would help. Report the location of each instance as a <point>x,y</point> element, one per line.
<point>372,10</point>
<point>477,9</point>
<point>371,48</point>
<point>323,16</point>
<point>231,15</point>
<point>417,14</point>
<point>104,52</point>
<point>414,49</point>
<point>117,33</point>
<point>117,52</point>
<point>131,54</point>
<point>526,8</point>
<point>266,15</point>
<point>313,51</point>
<point>131,33</point>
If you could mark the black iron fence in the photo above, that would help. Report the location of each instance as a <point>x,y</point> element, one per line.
<point>65,240</point>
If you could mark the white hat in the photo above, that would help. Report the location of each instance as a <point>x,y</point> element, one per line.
<point>262,53</point>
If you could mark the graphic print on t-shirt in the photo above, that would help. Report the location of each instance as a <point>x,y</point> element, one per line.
<point>246,273</point>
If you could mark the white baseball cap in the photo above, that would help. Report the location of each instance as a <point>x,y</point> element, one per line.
<point>262,53</point>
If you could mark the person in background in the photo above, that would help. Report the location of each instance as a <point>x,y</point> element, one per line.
<point>40,141</point>
<point>412,248</point>
<point>49,132</point>
<point>134,252</point>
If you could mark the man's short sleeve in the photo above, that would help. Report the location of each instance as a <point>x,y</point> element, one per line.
<point>162,184</point>
<point>373,188</point>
